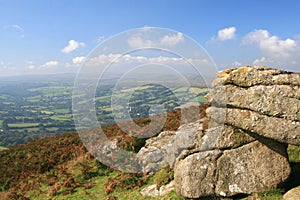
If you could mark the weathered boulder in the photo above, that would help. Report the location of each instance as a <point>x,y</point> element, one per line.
<point>271,100</point>
<point>195,176</point>
<point>280,129</point>
<point>256,75</point>
<point>255,112</point>
<point>162,151</point>
<point>250,168</point>
<point>292,194</point>
<point>223,137</point>
<point>262,100</point>
<point>153,191</point>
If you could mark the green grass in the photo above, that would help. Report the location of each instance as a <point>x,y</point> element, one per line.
<point>61,111</point>
<point>2,148</point>
<point>32,129</point>
<point>294,153</point>
<point>34,98</point>
<point>23,125</point>
<point>97,192</point>
<point>52,129</point>
<point>52,89</point>
<point>4,96</point>
<point>7,102</point>
<point>61,117</point>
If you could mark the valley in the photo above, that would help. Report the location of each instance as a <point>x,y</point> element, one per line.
<point>32,108</point>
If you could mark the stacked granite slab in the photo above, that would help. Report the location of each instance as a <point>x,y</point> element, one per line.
<point>255,113</point>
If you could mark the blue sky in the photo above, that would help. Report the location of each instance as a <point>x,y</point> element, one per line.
<point>55,36</point>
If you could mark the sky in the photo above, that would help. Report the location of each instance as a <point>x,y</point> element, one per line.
<point>40,37</point>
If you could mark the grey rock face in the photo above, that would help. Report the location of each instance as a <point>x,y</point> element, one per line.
<point>195,176</point>
<point>282,130</point>
<point>153,191</point>
<point>280,101</point>
<point>255,110</point>
<point>292,194</point>
<point>256,75</point>
<point>223,137</point>
<point>258,99</point>
<point>251,168</point>
<point>162,151</point>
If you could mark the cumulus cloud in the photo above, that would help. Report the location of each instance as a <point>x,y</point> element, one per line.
<point>171,40</point>
<point>78,60</point>
<point>271,45</point>
<point>100,39</point>
<point>72,46</point>
<point>137,41</point>
<point>236,64</point>
<point>30,67</point>
<point>263,61</point>
<point>226,34</point>
<point>230,65</point>
<point>103,60</point>
<point>50,64</point>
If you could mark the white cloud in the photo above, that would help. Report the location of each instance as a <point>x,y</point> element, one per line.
<point>15,27</point>
<point>50,64</point>
<point>230,65</point>
<point>171,40</point>
<point>236,64</point>
<point>263,61</point>
<point>270,45</point>
<point>78,60</point>
<point>137,41</point>
<point>100,39</point>
<point>226,34</point>
<point>103,60</point>
<point>30,67</point>
<point>72,46</point>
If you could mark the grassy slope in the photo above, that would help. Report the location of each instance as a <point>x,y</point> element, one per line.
<point>2,148</point>
<point>63,164</point>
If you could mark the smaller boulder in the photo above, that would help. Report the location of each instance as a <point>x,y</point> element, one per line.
<point>153,191</point>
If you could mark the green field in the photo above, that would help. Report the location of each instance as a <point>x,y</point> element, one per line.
<point>61,117</point>
<point>2,148</point>
<point>23,125</point>
<point>61,111</point>
<point>45,108</point>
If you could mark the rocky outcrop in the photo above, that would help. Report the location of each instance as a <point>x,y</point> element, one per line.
<point>282,130</point>
<point>292,194</point>
<point>232,164</point>
<point>251,168</point>
<point>162,151</point>
<point>154,191</point>
<point>255,112</point>
<point>261,100</point>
